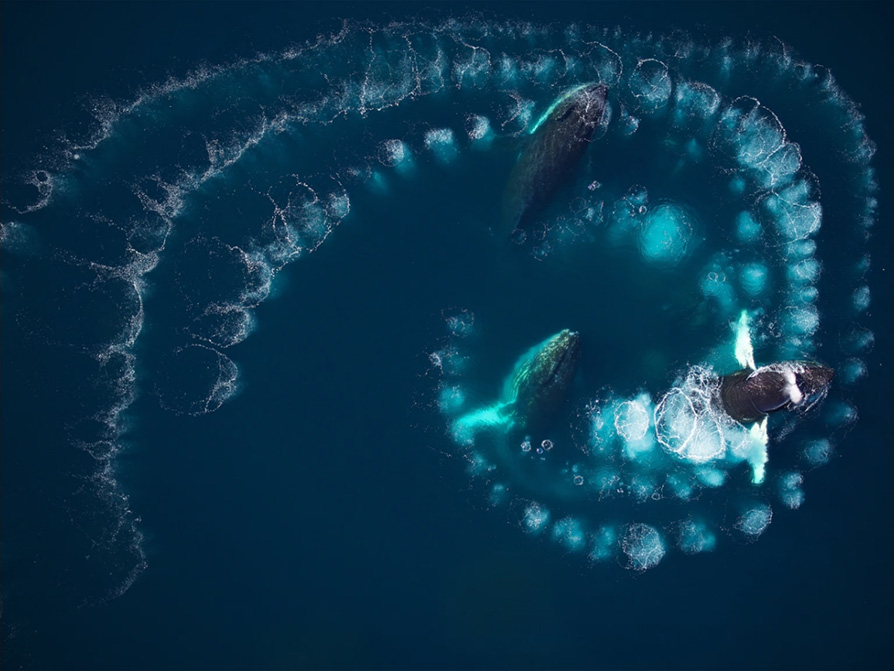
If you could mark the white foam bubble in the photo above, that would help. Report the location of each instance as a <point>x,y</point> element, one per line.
<point>755,520</point>
<point>632,423</point>
<point>789,489</point>
<point>817,452</point>
<point>650,85</point>
<point>461,323</point>
<point>859,340</point>
<point>862,299</point>
<point>643,547</point>
<point>396,154</point>
<point>695,104</point>
<point>499,494</point>
<point>479,131</point>
<point>800,320</point>
<point>794,212</point>
<point>472,68</point>
<point>804,271</point>
<point>478,465</point>
<point>687,422</point>
<point>442,144</point>
<point>201,380</point>
<point>536,518</point>
<point>18,238</point>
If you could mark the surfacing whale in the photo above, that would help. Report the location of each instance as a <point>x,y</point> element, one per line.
<point>538,386</point>
<point>555,146</point>
<point>750,394</point>
<point>753,392</point>
<point>533,393</point>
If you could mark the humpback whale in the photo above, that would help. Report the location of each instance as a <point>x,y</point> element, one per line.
<point>557,142</point>
<point>533,393</point>
<point>540,380</point>
<point>749,395</point>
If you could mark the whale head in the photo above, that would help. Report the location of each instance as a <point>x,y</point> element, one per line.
<point>578,114</point>
<point>813,381</point>
<point>750,395</point>
<point>538,387</point>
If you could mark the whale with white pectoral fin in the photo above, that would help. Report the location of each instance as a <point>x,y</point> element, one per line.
<point>751,394</point>
<point>533,393</point>
<point>553,148</point>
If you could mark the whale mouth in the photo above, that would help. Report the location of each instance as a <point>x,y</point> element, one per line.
<point>814,383</point>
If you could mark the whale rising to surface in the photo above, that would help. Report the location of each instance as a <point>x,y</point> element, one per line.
<point>538,386</point>
<point>557,142</point>
<point>533,394</point>
<point>749,395</point>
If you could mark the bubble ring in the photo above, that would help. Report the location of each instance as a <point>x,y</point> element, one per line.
<point>295,103</point>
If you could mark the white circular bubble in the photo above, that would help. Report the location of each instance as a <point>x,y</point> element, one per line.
<point>789,490</point>
<point>650,85</point>
<point>695,103</point>
<point>754,521</point>
<point>535,519</point>
<point>688,424</point>
<point>441,142</point>
<point>817,452</point>
<point>395,153</point>
<point>631,420</point>
<point>200,380</point>
<point>643,547</point>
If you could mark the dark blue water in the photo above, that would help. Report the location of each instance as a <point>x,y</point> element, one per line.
<point>219,452</point>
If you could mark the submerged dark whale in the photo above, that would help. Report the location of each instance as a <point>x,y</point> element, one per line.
<point>749,395</point>
<point>555,147</point>
<point>539,384</point>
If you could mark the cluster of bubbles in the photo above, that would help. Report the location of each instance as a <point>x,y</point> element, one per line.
<point>677,458</point>
<point>640,474</point>
<point>198,190</point>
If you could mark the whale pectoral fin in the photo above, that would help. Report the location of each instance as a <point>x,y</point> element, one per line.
<point>465,428</point>
<point>757,455</point>
<point>744,348</point>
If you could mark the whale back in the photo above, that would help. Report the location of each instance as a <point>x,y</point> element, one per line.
<point>750,395</point>
<point>541,380</point>
<point>553,151</point>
